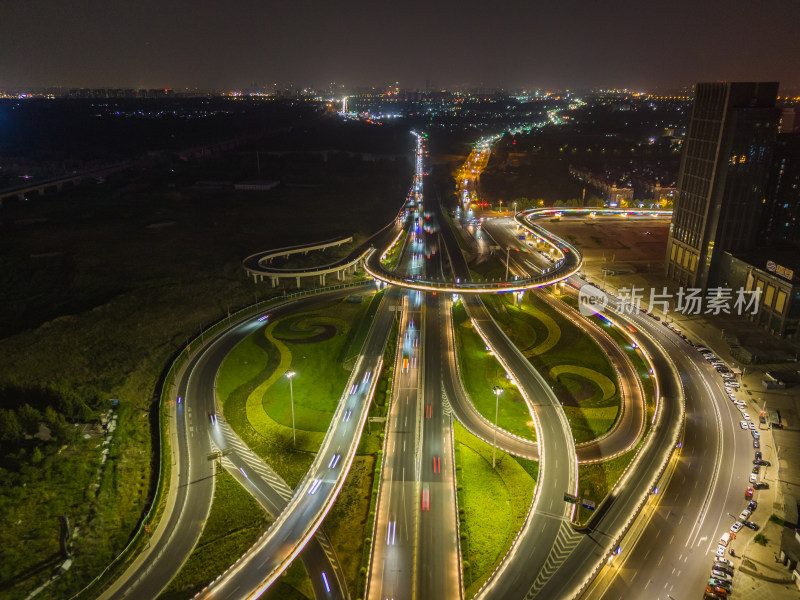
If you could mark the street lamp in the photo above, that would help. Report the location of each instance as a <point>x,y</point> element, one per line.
<point>497,391</point>
<point>290,374</point>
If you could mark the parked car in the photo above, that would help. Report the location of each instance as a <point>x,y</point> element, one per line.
<point>724,561</point>
<point>744,515</point>
<point>761,485</point>
<point>748,493</point>
<point>751,525</point>
<point>720,575</point>
<point>720,582</point>
<point>752,506</point>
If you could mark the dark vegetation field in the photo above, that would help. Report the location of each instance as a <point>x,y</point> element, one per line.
<point>100,285</point>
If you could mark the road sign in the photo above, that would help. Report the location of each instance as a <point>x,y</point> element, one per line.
<point>219,453</point>
<point>587,504</point>
<point>570,498</point>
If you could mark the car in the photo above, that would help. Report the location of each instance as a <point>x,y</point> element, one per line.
<point>761,485</point>
<point>763,463</point>
<point>715,593</point>
<point>744,515</point>
<point>724,561</point>
<point>755,434</point>
<point>748,493</point>
<point>756,469</point>
<point>746,416</point>
<point>753,477</point>
<point>758,455</point>
<point>720,550</point>
<point>751,525</point>
<point>743,424</point>
<point>736,527</point>
<point>752,425</point>
<point>720,575</point>
<point>732,396</point>
<point>723,567</point>
<point>720,582</point>
<point>740,403</point>
<point>726,537</point>
<point>752,506</point>
<point>756,444</point>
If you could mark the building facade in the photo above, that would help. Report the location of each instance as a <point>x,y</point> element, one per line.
<point>723,178</point>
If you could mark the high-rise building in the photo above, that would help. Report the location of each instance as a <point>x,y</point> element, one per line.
<point>723,178</point>
<point>780,221</point>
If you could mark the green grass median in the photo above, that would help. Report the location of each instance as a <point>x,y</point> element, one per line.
<point>255,393</point>
<point>480,372</point>
<point>574,366</point>
<point>493,504</point>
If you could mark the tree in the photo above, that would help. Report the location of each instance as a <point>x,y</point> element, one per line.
<point>10,428</point>
<point>56,423</point>
<point>29,419</point>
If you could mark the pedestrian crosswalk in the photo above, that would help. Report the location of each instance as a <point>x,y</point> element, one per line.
<point>252,461</point>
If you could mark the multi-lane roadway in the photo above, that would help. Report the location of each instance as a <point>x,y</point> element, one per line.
<point>415,549</point>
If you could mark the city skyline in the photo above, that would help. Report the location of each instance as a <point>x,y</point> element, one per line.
<point>144,45</point>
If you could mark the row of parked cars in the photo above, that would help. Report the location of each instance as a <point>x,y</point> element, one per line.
<point>721,578</point>
<point>719,584</point>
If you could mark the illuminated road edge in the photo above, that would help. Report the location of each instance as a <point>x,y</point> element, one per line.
<point>569,263</point>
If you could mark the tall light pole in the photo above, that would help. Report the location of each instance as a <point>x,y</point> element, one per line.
<point>508,250</point>
<point>497,391</point>
<point>290,374</point>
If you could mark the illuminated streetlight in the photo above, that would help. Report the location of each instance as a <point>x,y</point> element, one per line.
<point>497,391</point>
<point>290,374</point>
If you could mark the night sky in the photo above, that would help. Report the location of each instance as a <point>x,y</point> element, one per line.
<point>640,44</point>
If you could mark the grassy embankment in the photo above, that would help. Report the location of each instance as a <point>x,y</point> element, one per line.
<point>480,372</point>
<point>492,504</point>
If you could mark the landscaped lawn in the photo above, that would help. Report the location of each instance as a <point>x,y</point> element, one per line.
<point>480,372</point>
<point>576,368</point>
<point>495,503</point>
<point>255,393</point>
